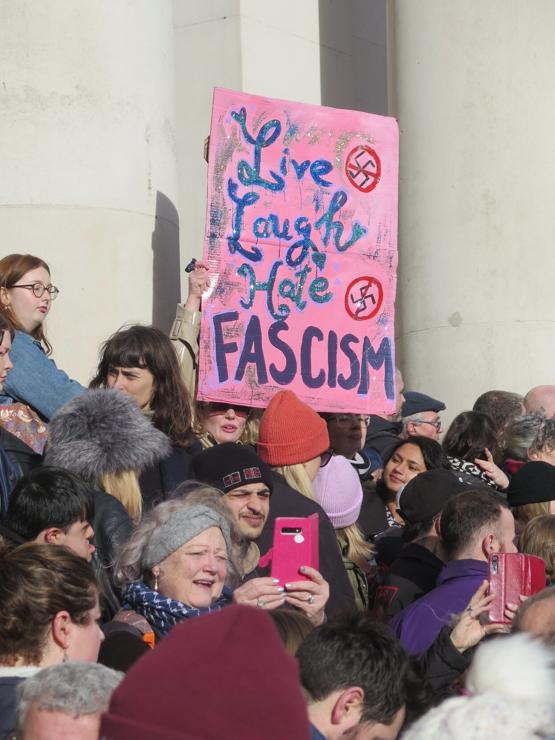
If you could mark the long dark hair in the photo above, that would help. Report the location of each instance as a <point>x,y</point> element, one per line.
<point>149,348</point>
<point>12,268</point>
<point>434,457</point>
<point>432,454</point>
<point>469,434</point>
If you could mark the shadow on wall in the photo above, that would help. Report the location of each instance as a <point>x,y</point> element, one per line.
<point>166,289</point>
<point>353,54</point>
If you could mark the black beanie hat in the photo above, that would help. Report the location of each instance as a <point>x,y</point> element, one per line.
<point>230,465</point>
<point>533,483</point>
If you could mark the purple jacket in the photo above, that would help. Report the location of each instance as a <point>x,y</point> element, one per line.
<point>420,623</point>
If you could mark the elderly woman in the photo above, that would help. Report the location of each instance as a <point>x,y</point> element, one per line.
<point>530,437</point>
<point>173,567</point>
<point>48,614</point>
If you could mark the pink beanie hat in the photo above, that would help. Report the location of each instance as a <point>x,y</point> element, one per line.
<point>338,491</point>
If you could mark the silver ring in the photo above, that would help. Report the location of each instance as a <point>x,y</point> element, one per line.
<point>259,603</point>
<point>310,599</point>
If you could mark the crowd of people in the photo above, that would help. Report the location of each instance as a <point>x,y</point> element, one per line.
<point>138,594</point>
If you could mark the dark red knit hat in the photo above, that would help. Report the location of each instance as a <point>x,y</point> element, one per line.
<point>224,675</point>
<point>291,432</point>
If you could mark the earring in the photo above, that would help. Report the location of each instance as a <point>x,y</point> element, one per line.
<point>156,582</point>
<point>65,658</point>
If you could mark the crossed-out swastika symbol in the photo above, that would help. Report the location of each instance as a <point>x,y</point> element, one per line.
<point>363,298</point>
<point>363,168</point>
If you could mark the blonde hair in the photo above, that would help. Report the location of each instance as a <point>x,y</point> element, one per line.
<point>248,437</point>
<point>525,513</point>
<point>124,486</point>
<point>358,550</point>
<point>297,477</point>
<point>538,538</point>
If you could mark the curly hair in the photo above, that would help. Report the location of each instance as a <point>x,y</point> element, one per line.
<point>37,582</point>
<point>532,433</point>
<point>149,348</point>
<point>12,268</point>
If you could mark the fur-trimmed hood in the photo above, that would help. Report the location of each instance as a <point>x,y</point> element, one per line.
<point>103,431</point>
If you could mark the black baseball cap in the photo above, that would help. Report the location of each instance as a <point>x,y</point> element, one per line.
<point>425,496</point>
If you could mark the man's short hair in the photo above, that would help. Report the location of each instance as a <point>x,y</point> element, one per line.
<point>75,688</point>
<point>547,634</point>
<point>48,497</point>
<point>465,516</point>
<point>501,406</point>
<point>355,650</point>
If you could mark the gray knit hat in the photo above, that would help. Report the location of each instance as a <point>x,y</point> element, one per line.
<point>182,526</point>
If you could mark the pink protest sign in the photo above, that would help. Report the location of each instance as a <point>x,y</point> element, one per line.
<point>301,244</point>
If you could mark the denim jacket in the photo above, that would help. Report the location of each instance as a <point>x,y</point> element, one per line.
<point>35,379</point>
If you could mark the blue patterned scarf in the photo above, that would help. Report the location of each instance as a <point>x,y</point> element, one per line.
<point>163,613</point>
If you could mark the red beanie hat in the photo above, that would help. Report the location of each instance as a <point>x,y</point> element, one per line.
<point>291,432</point>
<point>223,675</point>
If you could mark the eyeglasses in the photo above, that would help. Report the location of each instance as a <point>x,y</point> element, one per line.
<point>436,424</point>
<point>39,289</point>
<point>344,420</point>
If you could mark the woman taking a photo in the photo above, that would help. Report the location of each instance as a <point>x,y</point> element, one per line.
<point>48,615</point>
<point>26,295</point>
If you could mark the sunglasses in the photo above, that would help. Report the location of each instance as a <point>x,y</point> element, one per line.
<point>214,409</point>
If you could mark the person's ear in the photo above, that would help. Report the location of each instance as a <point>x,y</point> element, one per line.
<point>490,544</point>
<point>347,709</point>
<point>437,525</point>
<point>61,630</point>
<point>532,455</point>
<point>50,536</point>
<point>4,297</point>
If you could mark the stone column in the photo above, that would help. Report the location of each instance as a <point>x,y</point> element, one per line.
<point>473,94</point>
<point>87,148</point>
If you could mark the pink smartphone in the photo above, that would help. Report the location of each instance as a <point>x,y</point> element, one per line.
<point>295,544</point>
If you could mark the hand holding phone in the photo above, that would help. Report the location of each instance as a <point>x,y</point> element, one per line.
<point>295,545</point>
